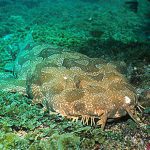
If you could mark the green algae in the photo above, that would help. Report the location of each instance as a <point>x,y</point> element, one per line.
<point>27,126</point>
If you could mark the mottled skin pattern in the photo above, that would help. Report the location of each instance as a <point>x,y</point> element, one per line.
<point>77,86</point>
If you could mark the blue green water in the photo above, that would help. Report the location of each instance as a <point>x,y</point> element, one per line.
<point>116,31</point>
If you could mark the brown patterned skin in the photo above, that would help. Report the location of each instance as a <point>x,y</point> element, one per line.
<point>77,86</point>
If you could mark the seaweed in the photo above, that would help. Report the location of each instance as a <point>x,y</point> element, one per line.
<point>27,126</point>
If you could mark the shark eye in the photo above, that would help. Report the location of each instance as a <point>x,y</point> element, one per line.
<point>127,100</point>
<point>65,77</point>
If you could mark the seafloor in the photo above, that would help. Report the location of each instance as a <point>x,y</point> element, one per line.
<point>113,30</point>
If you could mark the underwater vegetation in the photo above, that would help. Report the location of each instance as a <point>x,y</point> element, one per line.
<point>26,126</point>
